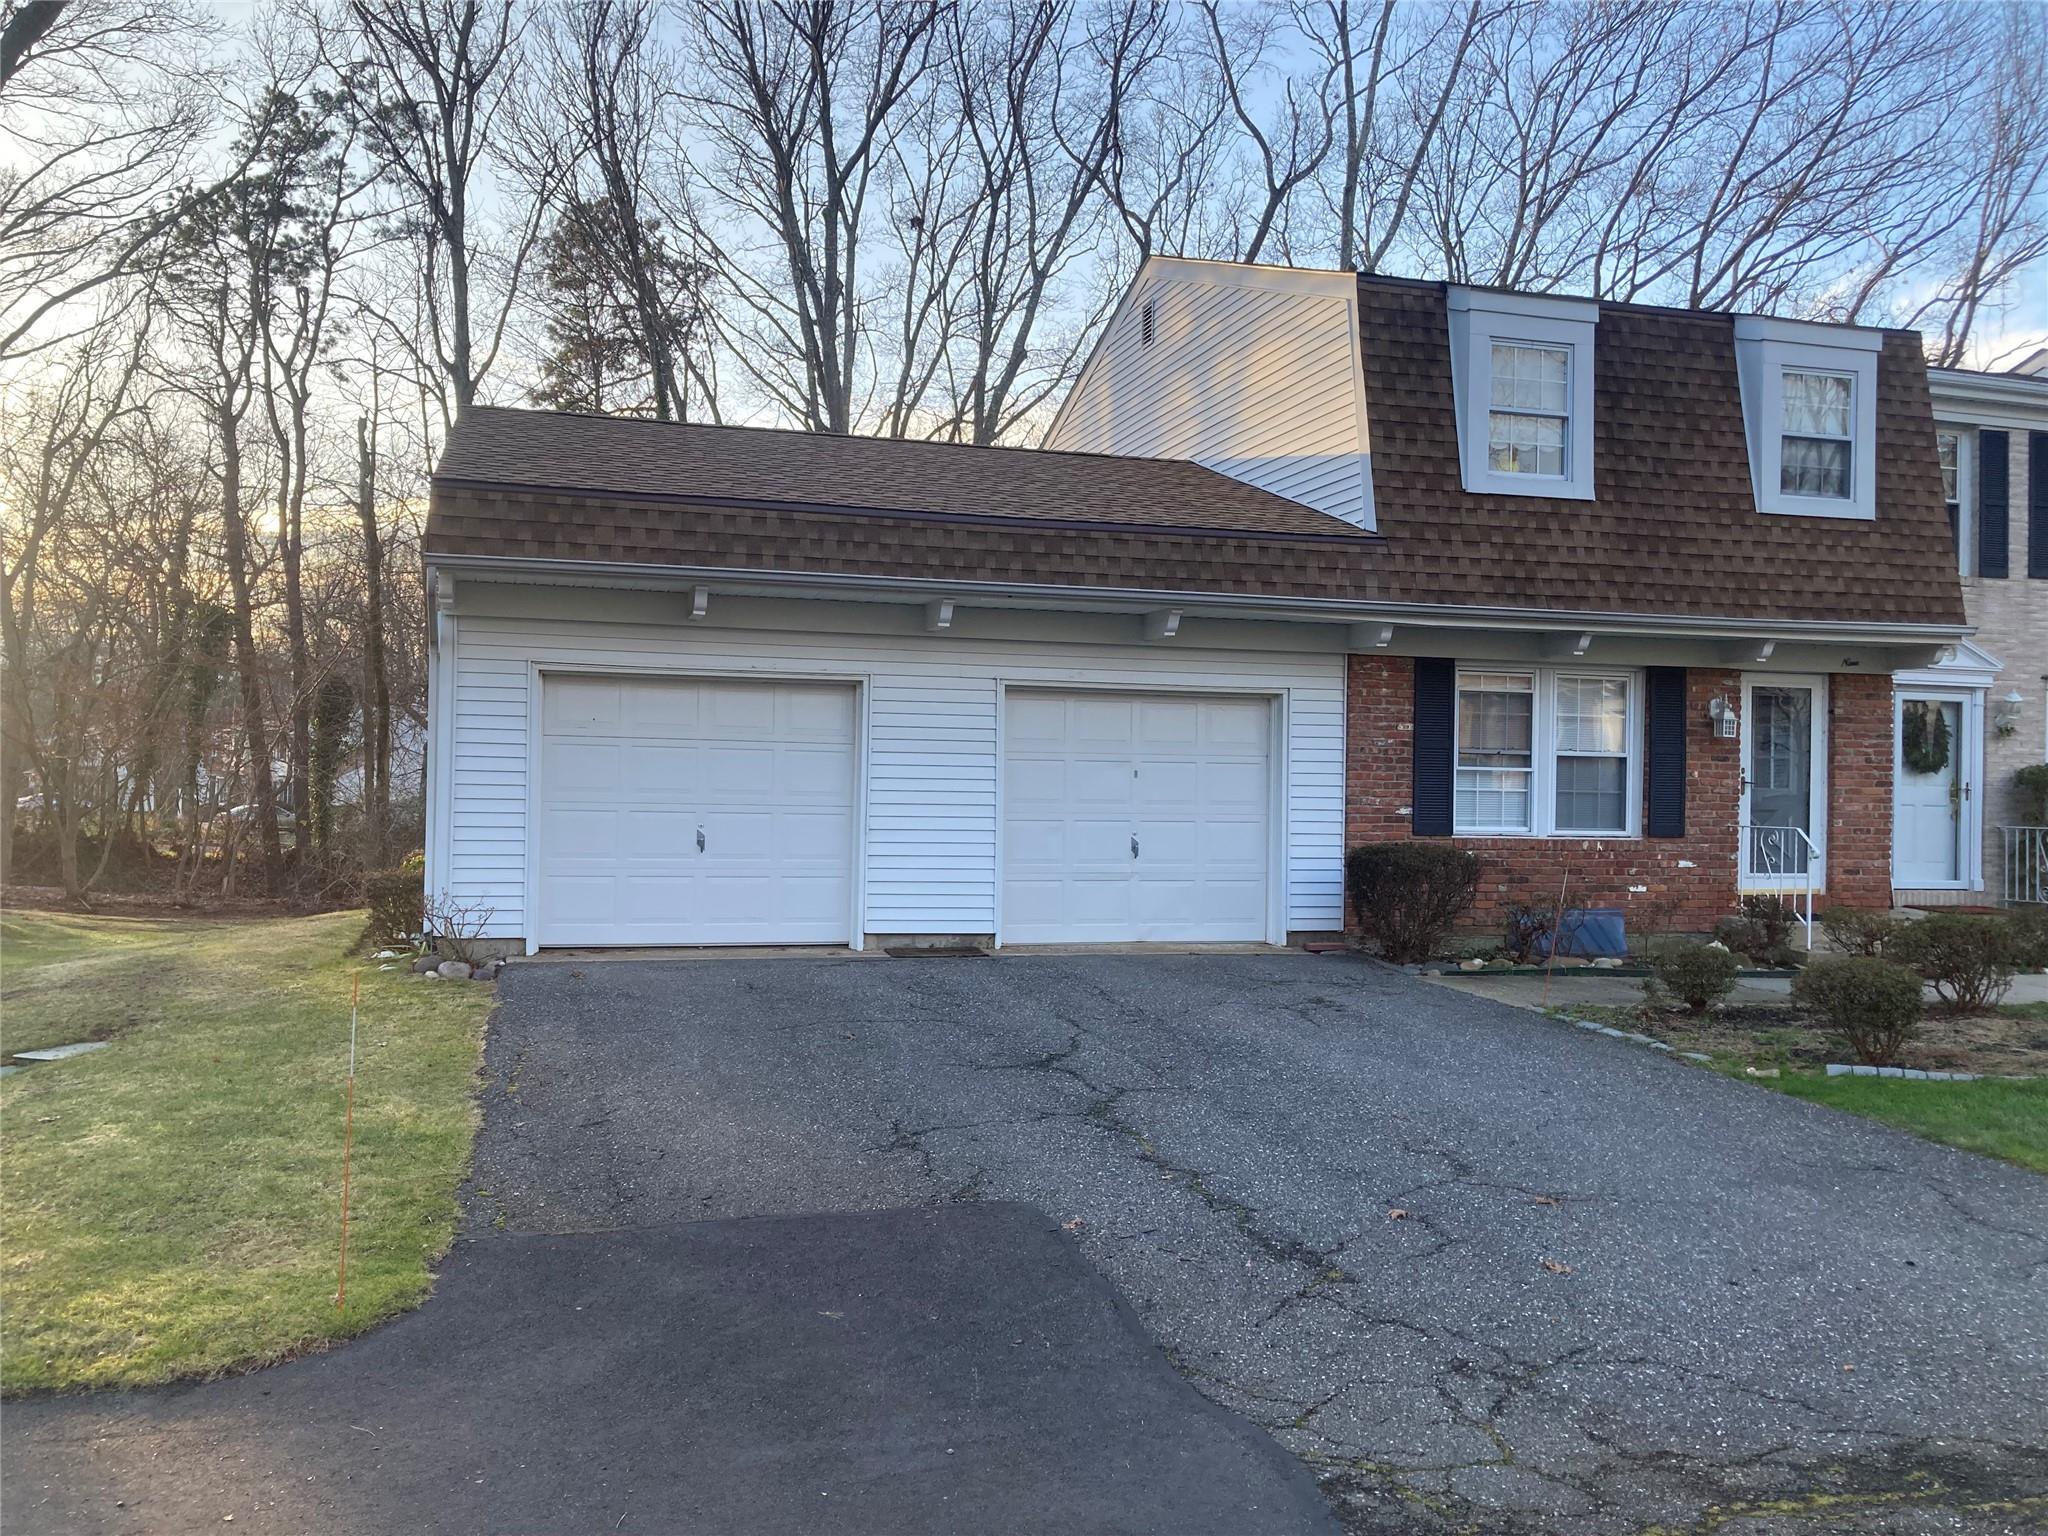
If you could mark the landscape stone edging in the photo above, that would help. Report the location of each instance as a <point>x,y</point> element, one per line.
<point>1835,1068</point>
<point>1907,1074</point>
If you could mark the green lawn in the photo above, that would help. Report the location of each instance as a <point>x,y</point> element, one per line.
<point>2008,1120</point>
<point>172,1203</point>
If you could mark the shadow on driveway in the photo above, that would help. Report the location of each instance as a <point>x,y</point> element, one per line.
<point>957,1368</point>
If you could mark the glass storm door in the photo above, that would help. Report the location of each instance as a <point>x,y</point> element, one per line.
<point>1928,790</point>
<point>1783,803</point>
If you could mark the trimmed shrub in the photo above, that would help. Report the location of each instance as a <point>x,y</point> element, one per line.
<point>398,907</point>
<point>2030,938</point>
<point>1528,929</point>
<point>1698,975</point>
<point>1407,895</point>
<point>2032,783</point>
<point>1761,931</point>
<point>1874,1003</point>
<point>1969,959</point>
<point>1856,932</point>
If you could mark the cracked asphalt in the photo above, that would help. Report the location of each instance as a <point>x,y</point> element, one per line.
<point>1479,1271</point>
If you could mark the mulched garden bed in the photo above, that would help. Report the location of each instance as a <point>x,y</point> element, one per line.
<point>2010,1043</point>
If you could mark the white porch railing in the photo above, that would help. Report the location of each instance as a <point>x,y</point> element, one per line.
<point>2026,864</point>
<point>1780,861</point>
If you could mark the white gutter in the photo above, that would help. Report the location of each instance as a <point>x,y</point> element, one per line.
<point>1300,610</point>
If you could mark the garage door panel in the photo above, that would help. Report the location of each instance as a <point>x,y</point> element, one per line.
<point>654,771</point>
<point>1241,726</point>
<point>1187,776</point>
<point>825,714</point>
<point>580,705</point>
<point>578,834</point>
<point>735,772</point>
<point>639,766</point>
<point>662,709</point>
<point>812,772</point>
<point>1099,781</point>
<point>648,835</point>
<point>1234,785</point>
<point>1235,843</point>
<point>581,767</point>
<point>1094,723</point>
<point>1169,725</point>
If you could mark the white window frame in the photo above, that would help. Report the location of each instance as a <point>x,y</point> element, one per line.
<point>1478,321</point>
<point>1765,351</point>
<point>1543,740</point>
<point>1965,435</point>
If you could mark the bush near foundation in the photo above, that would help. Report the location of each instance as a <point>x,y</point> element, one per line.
<point>1970,960</point>
<point>1698,975</point>
<point>1856,932</point>
<point>1407,895</point>
<point>1874,1003</point>
<point>1761,931</point>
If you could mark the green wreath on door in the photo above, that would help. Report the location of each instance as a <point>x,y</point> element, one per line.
<point>1926,737</point>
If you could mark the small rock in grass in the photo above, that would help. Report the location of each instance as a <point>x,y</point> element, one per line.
<point>430,976</point>
<point>488,971</point>
<point>1471,965</point>
<point>426,963</point>
<point>453,970</point>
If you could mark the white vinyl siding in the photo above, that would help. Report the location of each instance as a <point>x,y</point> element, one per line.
<point>931,748</point>
<point>1251,373</point>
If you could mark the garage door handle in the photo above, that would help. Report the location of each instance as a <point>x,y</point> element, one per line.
<point>700,839</point>
<point>1134,845</point>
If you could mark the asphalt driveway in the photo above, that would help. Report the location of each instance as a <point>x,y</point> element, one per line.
<point>1474,1268</point>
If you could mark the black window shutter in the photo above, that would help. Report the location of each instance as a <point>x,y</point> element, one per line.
<point>1664,729</point>
<point>2037,505</point>
<point>1436,702</point>
<point>1994,474</point>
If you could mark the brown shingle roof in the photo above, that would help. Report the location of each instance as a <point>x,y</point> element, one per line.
<point>739,466</point>
<point>1674,531</point>
<point>1675,527</point>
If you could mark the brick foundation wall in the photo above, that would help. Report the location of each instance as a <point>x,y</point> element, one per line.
<point>1662,884</point>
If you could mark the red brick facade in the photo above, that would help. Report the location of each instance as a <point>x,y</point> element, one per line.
<point>1860,756</point>
<point>1663,884</point>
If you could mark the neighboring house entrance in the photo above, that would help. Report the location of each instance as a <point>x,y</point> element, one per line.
<point>1938,806</point>
<point>1135,817</point>
<point>1784,782</point>
<point>695,811</point>
<point>1928,789</point>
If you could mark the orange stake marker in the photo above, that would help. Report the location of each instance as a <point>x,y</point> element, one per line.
<point>348,1138</point>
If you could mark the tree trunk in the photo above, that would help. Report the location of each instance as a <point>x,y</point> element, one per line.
<point>377,701</point>
<point>263,791</point>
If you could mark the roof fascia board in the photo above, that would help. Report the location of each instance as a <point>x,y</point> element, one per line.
<point>1304,610</point>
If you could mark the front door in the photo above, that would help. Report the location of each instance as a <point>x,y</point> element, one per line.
<point>1929,793</point>
<point>1784,782</point>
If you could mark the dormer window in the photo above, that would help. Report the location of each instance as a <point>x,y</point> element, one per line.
<point>1820,435</point>
<point>1529,418</point>
<point>1809,403</point>
<point>1522,374</point>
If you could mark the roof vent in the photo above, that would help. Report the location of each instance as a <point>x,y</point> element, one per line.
<point>1148,323</point>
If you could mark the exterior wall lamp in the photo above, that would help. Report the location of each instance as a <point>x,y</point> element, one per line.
<point>2005,713</point>
<point>1723,715</point>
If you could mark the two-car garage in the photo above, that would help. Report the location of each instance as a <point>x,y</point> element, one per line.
<point>695,811</point>
<point>673,808</point>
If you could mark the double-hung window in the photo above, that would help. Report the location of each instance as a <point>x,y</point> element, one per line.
<point>1528,421</point>
<point>1496,751</point>
<point>1953,446</point>
<point>1522,384</point>
<point>1809,409</point>
<point>1814,456</point>
<point>1548,751</point>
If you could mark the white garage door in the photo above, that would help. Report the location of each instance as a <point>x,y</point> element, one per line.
<point>1129,818</point>
<point>695,812</point>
